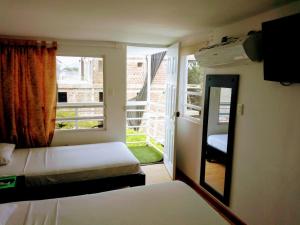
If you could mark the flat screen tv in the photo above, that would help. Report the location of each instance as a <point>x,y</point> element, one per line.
<point>281,49</point>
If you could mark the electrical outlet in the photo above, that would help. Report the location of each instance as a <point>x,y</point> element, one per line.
<point>240,109</point>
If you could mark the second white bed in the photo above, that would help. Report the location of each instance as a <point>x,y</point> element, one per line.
<point>218,141</point>
<point>163,204</point>
<point>43,166</point>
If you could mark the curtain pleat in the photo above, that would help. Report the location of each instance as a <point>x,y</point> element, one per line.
<point>27,94</point>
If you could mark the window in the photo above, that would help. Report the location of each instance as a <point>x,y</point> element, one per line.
<point>224,106</point>
<point>62,97</point>
<point>80,93</point>
<point>101,96</point>
<point>193,88</point>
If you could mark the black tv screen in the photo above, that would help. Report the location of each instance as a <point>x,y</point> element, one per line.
<point>281,49</point>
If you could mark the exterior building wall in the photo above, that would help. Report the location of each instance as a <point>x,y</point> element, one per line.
<point>155,110</point>
<point>80,91</point>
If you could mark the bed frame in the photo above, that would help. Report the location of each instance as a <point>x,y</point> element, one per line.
<point>215,155</point>
<point>23,193</point>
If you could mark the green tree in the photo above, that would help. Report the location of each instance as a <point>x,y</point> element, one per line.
<point>195,73</point>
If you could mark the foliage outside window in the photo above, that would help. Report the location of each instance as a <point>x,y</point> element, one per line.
<point>193,88</point>
<point>80,85</point>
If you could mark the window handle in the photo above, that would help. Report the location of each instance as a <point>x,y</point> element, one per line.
<point>178,114</point>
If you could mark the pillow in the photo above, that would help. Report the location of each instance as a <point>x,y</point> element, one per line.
<point>6,151</point>
<point>5,212</point>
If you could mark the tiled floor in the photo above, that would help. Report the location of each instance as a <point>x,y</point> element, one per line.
<point>156,173</point>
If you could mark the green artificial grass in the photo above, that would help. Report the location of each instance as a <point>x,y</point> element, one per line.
<point>146,154</point>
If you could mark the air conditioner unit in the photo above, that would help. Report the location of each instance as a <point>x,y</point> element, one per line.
<point>235,50</point>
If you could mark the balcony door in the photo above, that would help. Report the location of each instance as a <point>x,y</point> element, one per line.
<point>171,106</point>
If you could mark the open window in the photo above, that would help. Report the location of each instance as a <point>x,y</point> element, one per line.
<point>80,93</point>
<point>193,86</point>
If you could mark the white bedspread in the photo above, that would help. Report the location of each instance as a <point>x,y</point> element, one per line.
<point>218,141</point>
<point>171,203</point>
<point>72,163</point>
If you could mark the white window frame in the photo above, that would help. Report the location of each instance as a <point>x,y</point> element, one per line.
<point>185,105</point>
<point>219,110</point>
<point>63,105</point>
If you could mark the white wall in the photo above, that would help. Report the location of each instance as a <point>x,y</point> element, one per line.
<point>266,165</point>
<point>114,92</point>
<point>188,139</point>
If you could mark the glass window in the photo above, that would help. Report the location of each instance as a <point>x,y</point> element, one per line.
<point>62,97</point>
<point>80,93</point>
<point>193,88</point>
<point>224,106</point>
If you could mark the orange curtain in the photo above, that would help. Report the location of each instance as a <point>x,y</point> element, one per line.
<point>27,92</point>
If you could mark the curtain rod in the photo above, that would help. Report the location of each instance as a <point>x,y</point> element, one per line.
<point>31,43</point>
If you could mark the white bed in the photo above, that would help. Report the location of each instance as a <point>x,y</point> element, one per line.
<point>161,204</point>
<point>218,141</point>
<point>52,165</point>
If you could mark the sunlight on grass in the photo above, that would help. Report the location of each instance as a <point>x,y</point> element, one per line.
<point>146,154</point>
<point>143,152</point>
<point>142,137</point>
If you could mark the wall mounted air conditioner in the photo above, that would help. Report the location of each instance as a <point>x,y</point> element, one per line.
<point>233,51</point>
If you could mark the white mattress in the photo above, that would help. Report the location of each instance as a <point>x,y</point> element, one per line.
<point>71,163</point>
<point>162,204</point>
<point>218,141</point>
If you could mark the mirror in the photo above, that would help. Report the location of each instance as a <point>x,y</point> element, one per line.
<point>218,134</point>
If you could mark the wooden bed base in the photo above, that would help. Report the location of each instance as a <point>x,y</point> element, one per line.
<point>23,193</point>
<point>215,155</point>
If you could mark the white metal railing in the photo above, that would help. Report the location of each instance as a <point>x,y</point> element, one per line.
<point>146,119</point>
<point>76,107</point>
<point>193,93</point>
<point>193,106</point>
<point>224,112</point>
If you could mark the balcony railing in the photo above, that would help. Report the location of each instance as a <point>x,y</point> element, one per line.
<point>145,131</point>
<point>80,115</point>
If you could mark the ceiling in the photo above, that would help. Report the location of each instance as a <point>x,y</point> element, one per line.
<point>159,22</point>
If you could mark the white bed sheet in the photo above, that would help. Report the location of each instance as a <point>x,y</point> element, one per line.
<point>218,141</point>
<point>72,163</point>
<point>161,204</point>
<point>17,165</point>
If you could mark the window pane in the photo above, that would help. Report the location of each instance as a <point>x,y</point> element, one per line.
<point>195,74</point>
<point>80,77</point>
<point>224,107</point>
<point>194,87</point>
<point>80,89</point>
<point>62,97</point>
<point>194,99</point>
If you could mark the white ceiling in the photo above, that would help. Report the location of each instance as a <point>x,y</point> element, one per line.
<point>134,21</point>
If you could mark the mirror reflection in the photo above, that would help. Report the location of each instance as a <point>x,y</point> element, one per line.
<point>217,137</point>
<point>221,93</point>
